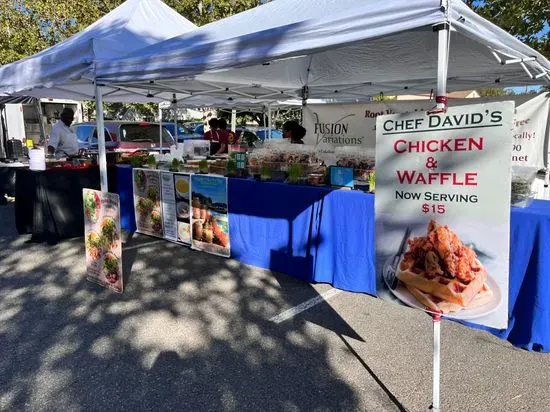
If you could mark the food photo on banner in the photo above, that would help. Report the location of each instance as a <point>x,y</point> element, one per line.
<point>442,210</point>
<point>209,215</point>
<point>102,237</point>
<point>176,207</point>
<point>147,204</point>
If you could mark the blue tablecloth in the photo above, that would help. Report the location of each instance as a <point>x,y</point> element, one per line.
<point>529,294</point>
<point>323,235</point>
<point>125,190</point>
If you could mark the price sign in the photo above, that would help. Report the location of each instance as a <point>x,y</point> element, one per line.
<point>240,160</point>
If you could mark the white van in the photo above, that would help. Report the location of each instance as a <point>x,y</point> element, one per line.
<point>22,120</point>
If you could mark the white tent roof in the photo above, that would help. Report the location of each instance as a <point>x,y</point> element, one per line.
<point>56,71</point>
<point>337,48</point>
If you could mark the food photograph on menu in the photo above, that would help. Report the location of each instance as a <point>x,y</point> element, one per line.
<point>147,202</point>
<point>103,239</point>
<point>210,222</point>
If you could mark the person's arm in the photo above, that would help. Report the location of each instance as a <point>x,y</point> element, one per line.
<point>222,149</point>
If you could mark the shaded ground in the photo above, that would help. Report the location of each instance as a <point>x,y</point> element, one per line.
<point>192,332</point>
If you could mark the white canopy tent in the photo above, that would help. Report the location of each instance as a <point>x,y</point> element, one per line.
<point>57,71</point>
<point>332,49</point>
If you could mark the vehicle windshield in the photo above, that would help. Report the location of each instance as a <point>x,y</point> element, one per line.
<point>145,132</point>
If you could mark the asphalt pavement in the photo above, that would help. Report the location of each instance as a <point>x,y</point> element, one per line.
<point>194,332</point>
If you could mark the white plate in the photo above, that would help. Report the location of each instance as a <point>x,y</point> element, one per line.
<point>402,293</point>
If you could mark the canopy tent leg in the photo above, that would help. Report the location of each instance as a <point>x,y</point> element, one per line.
<point>442,68</point>
<point>234,120</point>
<point>443,38</point>
<point>269,121</point>
<point>101,139</point>
<point>160,128</point>
<point>436,361</point>
<point>175,107</point>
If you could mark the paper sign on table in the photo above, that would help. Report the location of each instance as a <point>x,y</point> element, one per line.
<point>443,211</point>
<point>176,207</point>
<point>103,241</point>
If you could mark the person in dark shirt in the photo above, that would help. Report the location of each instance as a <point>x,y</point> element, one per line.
<point>213,123</point>
<point>220,138</point>
<point>293,131</point>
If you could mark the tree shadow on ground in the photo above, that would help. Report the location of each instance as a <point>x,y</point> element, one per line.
<point>191,332</point>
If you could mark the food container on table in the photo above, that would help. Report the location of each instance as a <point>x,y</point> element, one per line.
<point>37,159</point>
<point>523,201</point>
<point>523,178</point>
<point>315,179</point>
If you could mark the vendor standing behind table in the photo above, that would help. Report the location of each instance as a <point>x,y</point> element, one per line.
<point>63,140</point>
<point>221,139</point>
<point>293,131</point>
<point>213,124</point>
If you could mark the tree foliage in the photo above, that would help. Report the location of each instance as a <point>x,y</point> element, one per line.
<point>525,19</point>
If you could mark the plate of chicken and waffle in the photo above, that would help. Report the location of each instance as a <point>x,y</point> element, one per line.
<point>440,274</point>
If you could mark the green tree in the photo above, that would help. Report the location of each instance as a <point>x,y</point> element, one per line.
<point>525,19</point>
<point>495,92</point>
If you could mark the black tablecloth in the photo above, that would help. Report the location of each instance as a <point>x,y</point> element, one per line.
<point>7,181</point>
<point>48,204</point>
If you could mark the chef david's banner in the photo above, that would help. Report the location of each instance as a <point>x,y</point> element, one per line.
<point>333,125</point>
<point>209,214</point>
<point>102,235</point>
<point>176,207</point>
<point>443,211</point>
<point>147,190</point>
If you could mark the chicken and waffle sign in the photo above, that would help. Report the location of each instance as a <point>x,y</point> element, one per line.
<point>443,211</point>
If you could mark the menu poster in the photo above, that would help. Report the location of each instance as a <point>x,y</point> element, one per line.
<point>176,207</point>
<point>443,211</point>
<point>102,237</point>
<point>169,206</point>
<point>210,221</point>
<point>147,190</point>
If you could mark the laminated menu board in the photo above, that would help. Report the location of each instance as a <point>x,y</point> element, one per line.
<point>176,207</point>
<point>147,202</point>
<point>209,217</point>
<point>442,209</point>
<point>102,237</point>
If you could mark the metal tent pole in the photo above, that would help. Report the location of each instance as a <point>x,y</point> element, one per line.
<point>101,139</point>
<point>233,120</point>
<point>175,106</point>
<point>443,36</point>
<point>269,121</point>
<point>160,128</point>
<point>436,361</point>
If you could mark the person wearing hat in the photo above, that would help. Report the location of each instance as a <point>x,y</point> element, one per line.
<point>63,140</point>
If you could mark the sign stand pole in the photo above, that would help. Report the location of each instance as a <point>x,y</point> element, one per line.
<point>436,318</point>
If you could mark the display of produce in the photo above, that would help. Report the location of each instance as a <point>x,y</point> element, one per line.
<point>362,160</point>
<point>281,156</point>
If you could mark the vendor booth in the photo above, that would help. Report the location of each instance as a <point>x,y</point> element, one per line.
<point>344,50</point>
